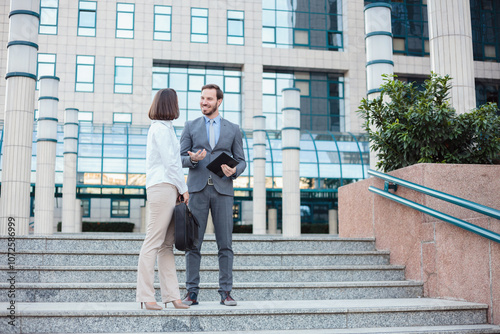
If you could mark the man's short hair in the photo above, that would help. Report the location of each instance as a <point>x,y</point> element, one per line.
<point>220,94</point>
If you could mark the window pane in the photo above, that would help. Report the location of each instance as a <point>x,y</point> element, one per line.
<point>178,81</point>
<point>268,18</point>
<point>137,151</point>
<point>268,35</point>
<point>194,100</point>
<point>114,165</point>
<point>199,38</point>
<point>196,82</point>
<point>160,80</point>
<point>46,69</point>
<point>85,116</point>
<point>86,150</point>
<point>89,165</point>
<point>49,3</point>
<point>163,10</point>
<point>117,151</point>
<point>85,60</point>
<point>48,16</point>
<point>235,40</point>
<point>92,5</point>
<point>232,85</point>
<point>232,102</point>
<point>85,73</point>
<point>199,12</point>
<point>125,7</point>
<point>235,28</point>
<point>87,19</point>
<point>269,86</point>
<point>235,14</point>
<point>137,166</point>
<point>123,75</point>
<point>125,21</point>
<point>162,23</point>
<point>122,118</point>
<point>199,25</point>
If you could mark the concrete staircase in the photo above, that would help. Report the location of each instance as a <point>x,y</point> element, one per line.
<point>313,284</point>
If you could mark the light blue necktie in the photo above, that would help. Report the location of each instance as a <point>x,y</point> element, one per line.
<point>211,133</point>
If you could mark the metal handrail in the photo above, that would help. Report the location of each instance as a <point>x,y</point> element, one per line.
<point>440,195</point>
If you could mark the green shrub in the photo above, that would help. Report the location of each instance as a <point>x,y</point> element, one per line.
<point>104,227</point>
<point>407,125</point>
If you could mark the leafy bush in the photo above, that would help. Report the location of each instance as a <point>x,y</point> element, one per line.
<point>407,125</point>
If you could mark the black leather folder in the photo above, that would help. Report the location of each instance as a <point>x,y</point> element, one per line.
<point>222,159</point>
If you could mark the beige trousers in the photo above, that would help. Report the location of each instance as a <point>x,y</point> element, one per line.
<point>159,243</point>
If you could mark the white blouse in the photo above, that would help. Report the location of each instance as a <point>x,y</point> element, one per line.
<point>163,158</point>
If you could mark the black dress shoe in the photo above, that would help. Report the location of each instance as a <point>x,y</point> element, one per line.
<point>190,299</point>
<point>226,299</point>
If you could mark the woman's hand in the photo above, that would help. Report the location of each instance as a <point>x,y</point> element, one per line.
<point>186,197</point>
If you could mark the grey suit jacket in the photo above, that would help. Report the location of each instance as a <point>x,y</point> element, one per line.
<point>194,138</point>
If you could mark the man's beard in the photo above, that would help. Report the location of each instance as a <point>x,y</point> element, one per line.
<point>210,112</point>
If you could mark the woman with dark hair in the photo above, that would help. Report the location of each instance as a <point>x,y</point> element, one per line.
<point>164,185</point>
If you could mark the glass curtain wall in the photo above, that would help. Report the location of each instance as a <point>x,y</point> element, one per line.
<point>187,81</point>
<point>321,99</point>
<point>410,27</point>
<point>310,24</point>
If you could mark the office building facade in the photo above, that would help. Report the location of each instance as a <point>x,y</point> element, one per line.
<point>112,56</point>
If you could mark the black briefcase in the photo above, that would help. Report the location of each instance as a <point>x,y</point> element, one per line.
<point>186,228</point>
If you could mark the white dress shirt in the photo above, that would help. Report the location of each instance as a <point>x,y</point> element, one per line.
<point>163,158</point>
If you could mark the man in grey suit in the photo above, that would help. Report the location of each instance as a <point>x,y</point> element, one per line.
<point>203,140</point>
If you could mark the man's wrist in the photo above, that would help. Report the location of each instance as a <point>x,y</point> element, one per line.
<point>194,162</point>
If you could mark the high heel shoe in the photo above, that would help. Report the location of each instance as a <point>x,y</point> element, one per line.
<point>154,306</point>
<point>178,304</point>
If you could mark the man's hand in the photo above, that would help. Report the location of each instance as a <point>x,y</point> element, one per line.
<point>198,156</point>
<point>228,171</point>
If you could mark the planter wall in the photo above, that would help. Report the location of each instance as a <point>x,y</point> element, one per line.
<point>452,263</point>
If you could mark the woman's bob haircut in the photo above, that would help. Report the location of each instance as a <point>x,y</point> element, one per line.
<point>165,106</point>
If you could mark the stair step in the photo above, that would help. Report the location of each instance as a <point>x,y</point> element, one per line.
<point>127,258</point>
<point>463,329</point>
<point>241,242</point>
<point>125,292</point>
<point>247,316</point>
<point>82,274</point>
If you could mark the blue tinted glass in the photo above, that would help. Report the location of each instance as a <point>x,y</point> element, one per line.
<point>114,165</point>
<point>87,19</point>
<point>137,151</point>
<point>115,151</point>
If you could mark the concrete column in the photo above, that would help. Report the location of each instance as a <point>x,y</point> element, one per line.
<point>379,61</point>
<point>18,123</point>
<point>272,216</point>
<point>451,49</point>
<point>333,221</point>
<point>259,174</point>
<point>290,144</point>
<point>69,174</point>
<point>78,215</point>
<point>46,155</point>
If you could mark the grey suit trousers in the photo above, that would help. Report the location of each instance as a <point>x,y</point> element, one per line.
<point>221,207</point>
